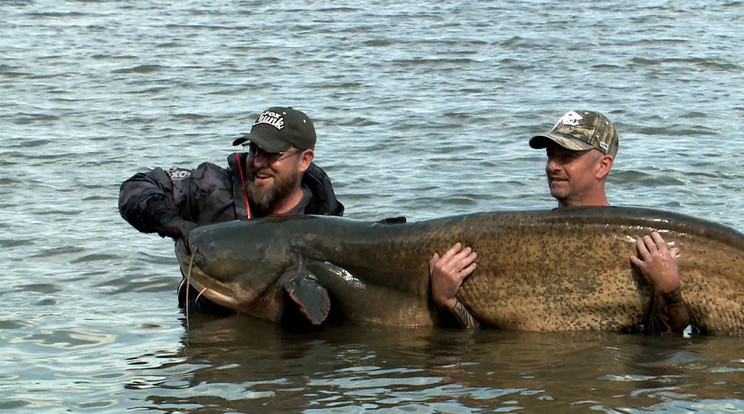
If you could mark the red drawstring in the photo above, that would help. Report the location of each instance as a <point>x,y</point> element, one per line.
<point>242,180</point>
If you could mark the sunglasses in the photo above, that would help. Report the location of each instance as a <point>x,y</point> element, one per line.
<point>255,152</point>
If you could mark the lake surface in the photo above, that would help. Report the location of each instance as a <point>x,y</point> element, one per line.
<point>422,110</point>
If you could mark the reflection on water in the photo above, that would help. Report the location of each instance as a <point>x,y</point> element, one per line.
<point>239,364</point>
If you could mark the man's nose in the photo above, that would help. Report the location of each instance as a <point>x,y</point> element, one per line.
<point>552,164</point>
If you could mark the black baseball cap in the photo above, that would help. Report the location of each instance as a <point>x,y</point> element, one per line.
<point>279,128</point>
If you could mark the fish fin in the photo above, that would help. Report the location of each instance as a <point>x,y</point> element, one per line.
<point>392,220</point>
<point>311,298</point>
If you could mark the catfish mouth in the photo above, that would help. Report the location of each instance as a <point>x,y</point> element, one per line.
<point>225,293</point>
<point>213,290</point>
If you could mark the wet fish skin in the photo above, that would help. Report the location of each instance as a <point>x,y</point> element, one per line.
<point>555,270</point>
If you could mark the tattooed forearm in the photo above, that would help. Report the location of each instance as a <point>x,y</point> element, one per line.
<point>676,311</point>
<point>668,313</point>
<point>463,316</point>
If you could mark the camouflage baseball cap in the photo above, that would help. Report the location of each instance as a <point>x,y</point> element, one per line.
<point>580,131</point>
<point>278,128</point>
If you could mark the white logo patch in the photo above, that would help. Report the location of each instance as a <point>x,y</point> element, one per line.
<point>270,118</point>
<point>177,174</point>
<point>571,118</point>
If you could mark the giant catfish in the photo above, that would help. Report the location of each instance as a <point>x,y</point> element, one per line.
<point>557,270</point>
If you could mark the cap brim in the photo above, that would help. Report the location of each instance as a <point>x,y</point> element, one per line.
<point>268,145</point>
<point>541,141</point>
<point>241,140</point>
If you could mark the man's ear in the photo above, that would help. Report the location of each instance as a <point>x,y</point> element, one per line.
<point>305,159</point>
<point>604,166</point>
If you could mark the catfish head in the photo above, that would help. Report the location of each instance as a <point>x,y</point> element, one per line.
<point>252,268</point>
<point>236,264</point>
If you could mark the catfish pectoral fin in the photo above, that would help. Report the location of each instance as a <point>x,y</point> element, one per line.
<point>311,298</point>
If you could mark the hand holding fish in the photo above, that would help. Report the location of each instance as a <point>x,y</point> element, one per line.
<point>658,263</point>
<point>447,273</point>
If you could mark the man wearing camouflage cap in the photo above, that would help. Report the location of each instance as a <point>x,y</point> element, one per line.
<point>581,149</point>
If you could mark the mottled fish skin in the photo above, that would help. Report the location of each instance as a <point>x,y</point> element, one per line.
<point>557,270</point>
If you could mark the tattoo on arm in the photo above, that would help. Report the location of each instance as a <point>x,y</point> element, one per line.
<point>669,314</point>
<point>463,316</point>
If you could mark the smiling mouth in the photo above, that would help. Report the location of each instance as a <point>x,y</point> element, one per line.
<point>259,176</point>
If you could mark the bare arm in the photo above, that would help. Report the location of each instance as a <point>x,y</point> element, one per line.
<point>659,264</point>
<point>446,275</point>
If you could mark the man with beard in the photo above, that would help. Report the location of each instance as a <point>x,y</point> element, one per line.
<point>274,176</point>
<point>581,149</point>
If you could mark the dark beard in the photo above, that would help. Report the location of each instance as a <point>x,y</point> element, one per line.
<point>267,198</point>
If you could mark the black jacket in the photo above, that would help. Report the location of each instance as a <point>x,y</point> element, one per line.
<point>207,195</point>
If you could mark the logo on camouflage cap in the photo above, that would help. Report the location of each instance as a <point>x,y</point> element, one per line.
<point>581,131</point>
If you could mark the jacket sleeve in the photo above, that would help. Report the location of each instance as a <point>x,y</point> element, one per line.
<point>148,200</point>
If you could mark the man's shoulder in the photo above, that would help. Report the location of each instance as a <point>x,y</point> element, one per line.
<point>181,173</point>
<point>208,169</point>
<point>323,197</point>
<point>315,174</point>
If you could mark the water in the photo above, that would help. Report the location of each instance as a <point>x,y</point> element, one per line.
<point>421,110</point>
